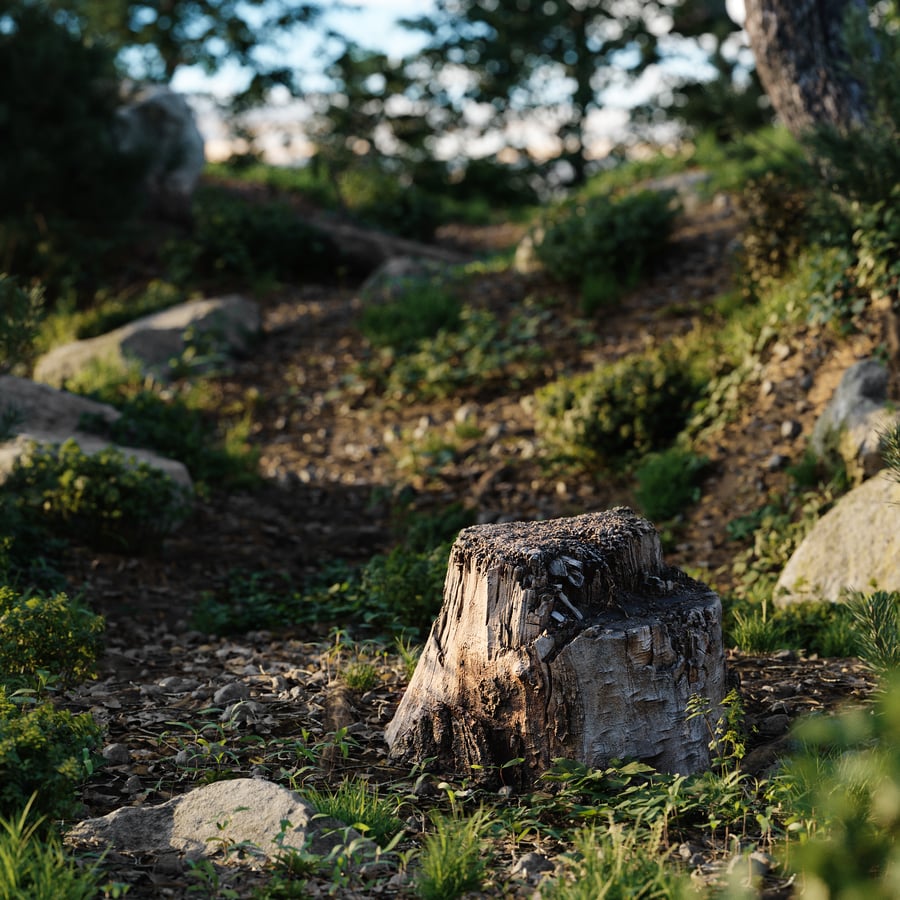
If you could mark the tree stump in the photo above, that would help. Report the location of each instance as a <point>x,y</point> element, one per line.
<point>565,638</point>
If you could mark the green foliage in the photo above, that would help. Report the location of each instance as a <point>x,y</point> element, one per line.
<point>618,863</point>
<point>844,786</point>
<point>668,482</point>
<point>605,244</point>
<point>103,500</point>
<point>823,628</point>
<point>453,859</point>
<point>776,529</point>
<point>357,803</point>
<point>238,241</point>
<point>397,592</point>
<point>64,186</point>
<point>481,351</point>
<point>52,633</point>
<point>21,310</point>
<point>619,411</point>
<point>389,200</point>
<point>33,864</point>
<point>776,226</point>
<point>876,243</point>
<point>418,313</point>
<point>45,752</point>
<point>890,450</point>
<point>175,425</point>
<point>876,620</point>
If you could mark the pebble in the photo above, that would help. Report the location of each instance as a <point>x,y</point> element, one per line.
<point>116,754</point>
<point>766,388</point>
<point>790,429</point>
<point>776,461</point>
<point>237,690</point>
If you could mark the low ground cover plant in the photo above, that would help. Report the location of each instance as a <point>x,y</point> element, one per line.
<point>605,243</point>
<point>618,412</point>
<point>103,499</point>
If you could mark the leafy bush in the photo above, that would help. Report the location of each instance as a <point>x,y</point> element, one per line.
<point>483,350</point>
<point>174,428</point>
<point>393,593</point>
<point>667,482</point>
<point>236,240</point>
<point>619,411</point>
<point>52,633</point>
<point>776,226</point>
<point>45,752</point>
<point>876,619</point>
<point>19,321</point>
<point>389,201</point>
<point>604,239</point>
<point>419,312</point>
<point>63,182</point>
<point>35,865</point>
<point>846,780</point>
<point>102,499</point>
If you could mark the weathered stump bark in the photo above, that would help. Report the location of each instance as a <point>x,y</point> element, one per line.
<point>567,638</point>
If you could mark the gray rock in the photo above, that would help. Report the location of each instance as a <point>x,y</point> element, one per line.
<point>159,124</point>
<point>116,754</point>
<point>852,547</point>
<point>397,275</point>
<point>855,419</point>
<point>247,811</point>
<point>47,416</point>
<point>227,324</point>
<point>237,690</point>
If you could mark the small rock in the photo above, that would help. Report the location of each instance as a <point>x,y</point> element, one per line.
<point>766,388</point>
<point>775,726</point>
<point>776,461</point>
<point>116,754</point>
<point>790,429</point>
<point>530,867</point>
<point>237,690</point>
<point>243,711</point>
<point>133,785</point>
<point>781,351</point>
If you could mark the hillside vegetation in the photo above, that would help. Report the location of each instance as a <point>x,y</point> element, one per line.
<point>337,462</point>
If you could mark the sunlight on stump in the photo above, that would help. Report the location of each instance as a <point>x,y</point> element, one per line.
<point>567,638</point>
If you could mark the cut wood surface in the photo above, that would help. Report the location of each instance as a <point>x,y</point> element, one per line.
<point>565,638</point>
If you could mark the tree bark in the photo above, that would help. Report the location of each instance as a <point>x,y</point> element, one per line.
<point>801,60</point>
<point>567,638</point>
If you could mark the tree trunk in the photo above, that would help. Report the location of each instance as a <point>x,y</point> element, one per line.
<point>801,60</point>
<point>567,638</point>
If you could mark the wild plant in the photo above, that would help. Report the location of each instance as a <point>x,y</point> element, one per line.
<point>357,803</point>
<point>454,857</point>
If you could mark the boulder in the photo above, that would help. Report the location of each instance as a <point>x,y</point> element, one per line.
<point>43,414</point>
<point>397,275</point>
<point>214,326</point>
<point>854,420</point>
<point>854,546</point>
<point>158,125</point>
<point>262,817</point>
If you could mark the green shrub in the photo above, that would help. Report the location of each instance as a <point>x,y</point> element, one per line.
<point>606,242</point>
<point>21,310</point>
<point>619,411</point>
<point>45,752</point>
<point>481,351</point>
<point>52,633</point>
<point>453,860</point>
<point>64,186</point>
<point>102,500</point>
<point>357,803</point>
<point>171,426</point>
<point>776,226</point>
<point>876,621</point>
<point>844,786</point>
<point>234,240</point>
<point>419,312</point>
<point>33,863</point>
<point>388,200</point>
<point>668,482</point>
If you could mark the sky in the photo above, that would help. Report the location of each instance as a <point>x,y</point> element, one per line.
<point>373,24</point>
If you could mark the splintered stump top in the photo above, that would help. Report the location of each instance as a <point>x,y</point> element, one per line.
<point>566,638</point>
